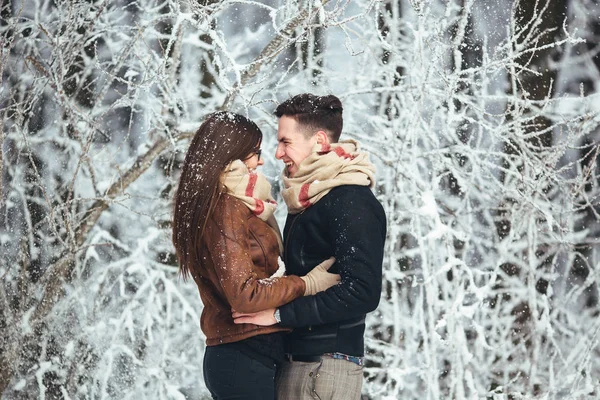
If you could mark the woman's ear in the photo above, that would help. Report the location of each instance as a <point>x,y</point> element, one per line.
<point>322,138</point>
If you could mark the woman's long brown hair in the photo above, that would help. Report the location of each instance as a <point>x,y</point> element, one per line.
<point>222,138</point>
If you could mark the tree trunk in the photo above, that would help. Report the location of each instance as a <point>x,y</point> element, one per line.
<point>391,12</point>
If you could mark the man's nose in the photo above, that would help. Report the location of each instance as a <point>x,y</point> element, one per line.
<point>260,161</point>
<point>279,152</point>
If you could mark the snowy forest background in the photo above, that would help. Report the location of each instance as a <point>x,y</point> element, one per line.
<point>482,117</point>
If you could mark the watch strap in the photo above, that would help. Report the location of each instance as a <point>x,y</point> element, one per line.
<point>277,316</point>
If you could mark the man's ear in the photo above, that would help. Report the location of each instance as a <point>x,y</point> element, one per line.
<point>322,138</point>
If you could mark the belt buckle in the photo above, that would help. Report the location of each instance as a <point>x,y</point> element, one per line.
<point>303,358</point>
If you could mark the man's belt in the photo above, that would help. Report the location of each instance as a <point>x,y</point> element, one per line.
<point>303,358</point>
<point>338,356</point>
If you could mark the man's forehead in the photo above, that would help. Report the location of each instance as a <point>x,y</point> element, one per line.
<point>289,135</point>
<point>280,134</point>
<point>287,129</point>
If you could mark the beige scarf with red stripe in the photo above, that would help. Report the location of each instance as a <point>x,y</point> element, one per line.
<point>326,167</point>
<point>254,190</point>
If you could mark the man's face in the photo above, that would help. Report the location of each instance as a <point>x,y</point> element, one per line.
<point>292,145</point>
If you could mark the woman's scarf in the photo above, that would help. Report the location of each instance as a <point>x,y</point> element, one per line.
<point>254,190</point>
<point>326,167</point>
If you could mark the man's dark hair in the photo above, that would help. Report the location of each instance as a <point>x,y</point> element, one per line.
<point>315,113</point>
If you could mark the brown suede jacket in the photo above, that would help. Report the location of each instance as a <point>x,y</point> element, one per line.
<point>239,254</point>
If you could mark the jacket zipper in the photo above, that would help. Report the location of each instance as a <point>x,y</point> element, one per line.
<point>287,239</point>
<point>266,265</point>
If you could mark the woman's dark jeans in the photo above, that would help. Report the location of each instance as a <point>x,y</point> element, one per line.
<point>231,374</point>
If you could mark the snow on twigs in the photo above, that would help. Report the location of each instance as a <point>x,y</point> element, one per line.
<point>481,117</point>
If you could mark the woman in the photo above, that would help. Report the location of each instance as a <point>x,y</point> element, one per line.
<point>227,240</point>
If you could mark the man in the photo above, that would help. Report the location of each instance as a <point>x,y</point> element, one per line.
<point>332,211</point>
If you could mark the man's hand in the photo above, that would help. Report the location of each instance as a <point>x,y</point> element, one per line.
<point>262,318</point>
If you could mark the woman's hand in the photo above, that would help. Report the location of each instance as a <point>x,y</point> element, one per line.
<point>318,279</point>
<point>262,318</point>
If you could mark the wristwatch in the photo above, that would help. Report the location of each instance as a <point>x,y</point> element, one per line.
<point>277,316</point>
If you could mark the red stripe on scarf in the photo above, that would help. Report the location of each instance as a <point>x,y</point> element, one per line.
<point>325,148</point>
<point>341,153</point>
<point>260,207</point>
<point>251,185</point>
<point>303,196</point>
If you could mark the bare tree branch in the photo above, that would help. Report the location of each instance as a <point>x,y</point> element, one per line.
<point>60,271</point>
<point>280,42</point>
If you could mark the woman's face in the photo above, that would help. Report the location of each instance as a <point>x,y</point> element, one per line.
<point>254,159</point>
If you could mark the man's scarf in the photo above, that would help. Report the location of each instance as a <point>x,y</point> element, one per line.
<point>326,167</point>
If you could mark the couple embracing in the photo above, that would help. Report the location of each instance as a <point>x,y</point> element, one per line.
<point>291,329</point>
